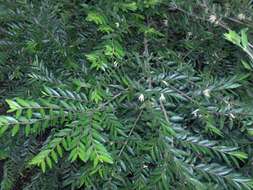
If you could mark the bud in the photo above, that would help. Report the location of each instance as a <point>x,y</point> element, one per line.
<point>195,112</point>
<point>115,63</point>
<point>141,98</point>
<point>189,34</point>
<point>165,82</point>
<point>212,18</point>
<point>162,98</point>
<point>232,116</point>
<point>165,22</point>
<point>206,92</point>
<point>241,16</point>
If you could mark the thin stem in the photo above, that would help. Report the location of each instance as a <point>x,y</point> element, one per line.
<point>164,111</point>
<point>131,132</point>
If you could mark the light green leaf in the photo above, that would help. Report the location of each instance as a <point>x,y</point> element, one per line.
<point>15,130</point>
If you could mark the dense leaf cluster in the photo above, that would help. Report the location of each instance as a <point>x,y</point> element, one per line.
<point>126,94</point>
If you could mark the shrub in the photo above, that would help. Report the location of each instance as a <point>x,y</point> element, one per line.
<point>126,94</point>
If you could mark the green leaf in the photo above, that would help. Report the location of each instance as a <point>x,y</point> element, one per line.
<point>15,130</point>
<point>96,96</point>
<point>27,129</point>
<point>96,17</point>
<point>13,105</point>
<point>59,150</point>
<point>240,155</point>
<point>29,113</point>
<point>233,37</point>
<point>54,156</point>
<point>43,166</point>
<point>106,158</point>
<point>22,102</point>
<point>129,6</point>
<point>3,128</point>
<point>49,162</point>
<point>246,65</point>
<point>244,38</point>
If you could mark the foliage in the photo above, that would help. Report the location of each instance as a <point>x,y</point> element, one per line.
<point>127,94</point>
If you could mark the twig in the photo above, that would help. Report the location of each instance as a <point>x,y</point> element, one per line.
<point>130,133</point>
<point>219,23</point>
<point>164,112</point>
<point>109,101</point>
